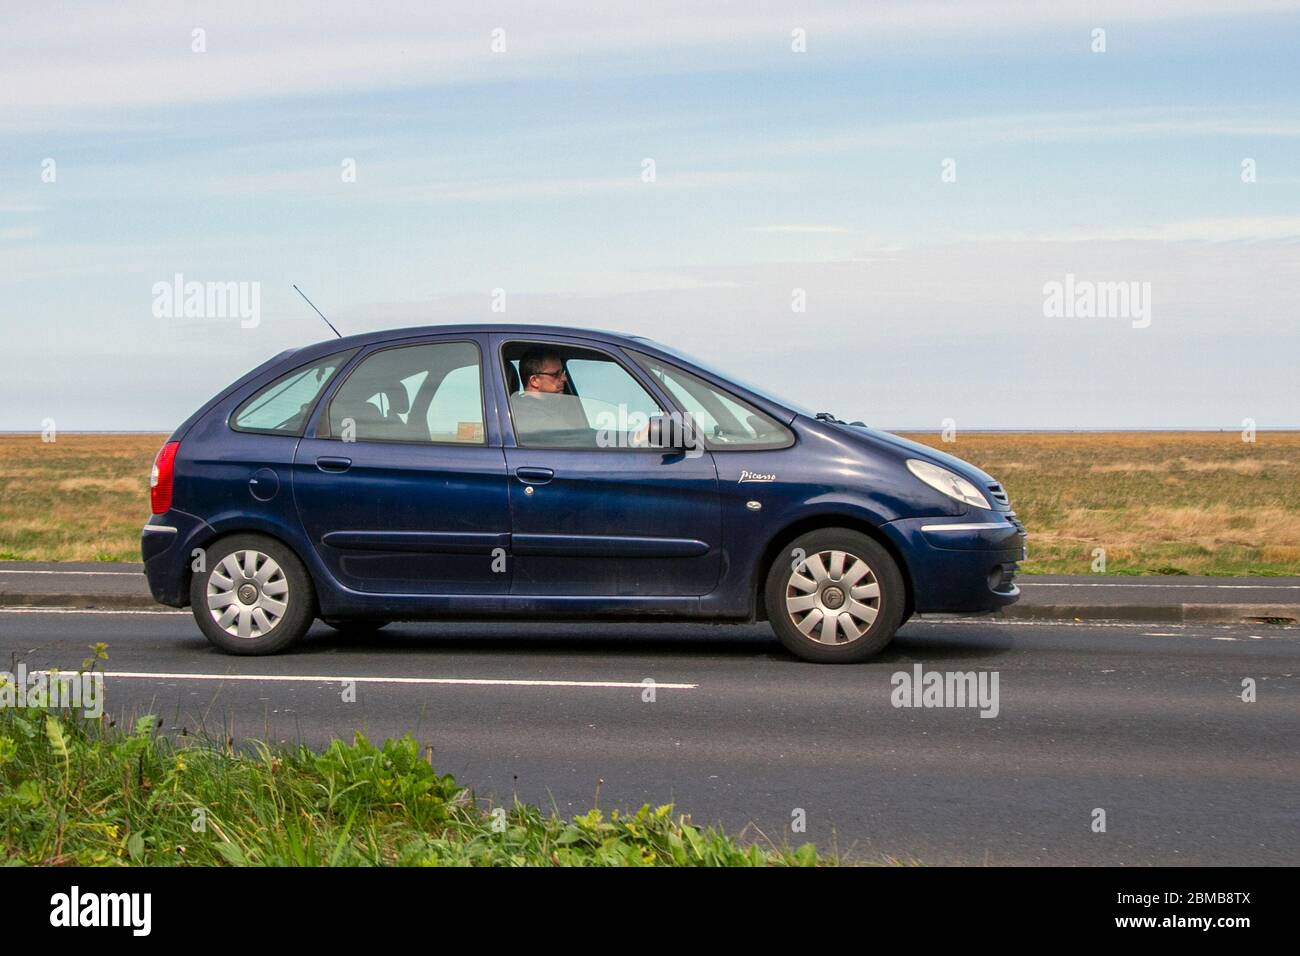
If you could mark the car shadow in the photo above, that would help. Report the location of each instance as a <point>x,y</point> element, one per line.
<point>739,640</point>
<point>914,641</point>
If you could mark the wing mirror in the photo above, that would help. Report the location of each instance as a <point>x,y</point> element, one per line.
<point>672,433</point>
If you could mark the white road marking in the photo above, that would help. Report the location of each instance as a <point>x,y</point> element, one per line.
<point>123,574</point>
<point>35,609</point>
<point>1213,587</point>
<point>975,621</point>
<point>1037,622</point>
<point>470,681</point>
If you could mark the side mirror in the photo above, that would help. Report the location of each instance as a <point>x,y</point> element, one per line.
<point>660,433</point>
<point>671,433</point>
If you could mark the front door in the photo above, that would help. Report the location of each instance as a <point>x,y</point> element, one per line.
<point>399,485</point>
<point>593,510</point>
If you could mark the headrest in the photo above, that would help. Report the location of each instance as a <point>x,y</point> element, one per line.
<point>399,402</point>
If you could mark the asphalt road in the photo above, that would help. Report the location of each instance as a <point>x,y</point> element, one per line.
<point>1143,721</point>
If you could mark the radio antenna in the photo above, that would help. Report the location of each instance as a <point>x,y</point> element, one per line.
<point>317,311</point>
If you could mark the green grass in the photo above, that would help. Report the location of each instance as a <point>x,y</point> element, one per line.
<point>81,792</point>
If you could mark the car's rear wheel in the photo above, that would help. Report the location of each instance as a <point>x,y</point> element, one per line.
<point>835,596</point>
<point>253,596</point>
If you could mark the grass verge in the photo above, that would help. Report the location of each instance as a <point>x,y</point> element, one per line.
<point>82,792</point>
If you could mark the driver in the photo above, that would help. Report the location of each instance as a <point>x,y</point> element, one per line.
<point>544,407</point>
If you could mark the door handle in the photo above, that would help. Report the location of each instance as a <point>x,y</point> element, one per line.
<point>534,476</point>
<point>332,464</point>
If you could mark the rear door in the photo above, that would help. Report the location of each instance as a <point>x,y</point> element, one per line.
<point>401,481</point>
<point>601,515</point>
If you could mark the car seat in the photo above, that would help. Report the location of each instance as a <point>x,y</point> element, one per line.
<point>399,404</point>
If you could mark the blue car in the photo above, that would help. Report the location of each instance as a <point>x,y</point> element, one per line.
<point>508,471</point>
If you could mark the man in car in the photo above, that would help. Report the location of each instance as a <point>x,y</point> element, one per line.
<point>544,411</point>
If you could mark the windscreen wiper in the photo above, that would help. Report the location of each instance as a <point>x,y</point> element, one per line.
<point>828,417</point>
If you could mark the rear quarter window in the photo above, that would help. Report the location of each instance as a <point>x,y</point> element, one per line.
<point>283,407</point>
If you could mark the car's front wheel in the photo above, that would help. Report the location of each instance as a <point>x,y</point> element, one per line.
<point>253,596</point>
<point>835,596</point>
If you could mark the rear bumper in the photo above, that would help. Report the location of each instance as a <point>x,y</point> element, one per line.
<point>961,565</point>
<point>166,544</point>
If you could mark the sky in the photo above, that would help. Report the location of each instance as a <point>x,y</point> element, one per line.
<point>863,207</point>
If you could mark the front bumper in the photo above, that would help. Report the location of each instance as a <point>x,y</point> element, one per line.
<point>961,565</point>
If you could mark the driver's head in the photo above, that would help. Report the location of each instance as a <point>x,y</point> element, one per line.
<point>542,370</point>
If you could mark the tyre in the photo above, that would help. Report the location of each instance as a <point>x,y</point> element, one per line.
<point>254,597</point>
<point>358,628</point>
<point>834,596</point>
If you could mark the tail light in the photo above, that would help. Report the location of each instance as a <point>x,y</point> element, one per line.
<point>160,479</point>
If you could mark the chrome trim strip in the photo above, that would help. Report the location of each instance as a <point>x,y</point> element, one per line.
<point>985,526</point>
<point>606,546</point>
<point>426,542</point>
<point>165,528</point>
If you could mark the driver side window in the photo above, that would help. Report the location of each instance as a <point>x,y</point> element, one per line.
<point>570,397</point>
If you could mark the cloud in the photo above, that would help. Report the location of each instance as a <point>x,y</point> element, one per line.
<point>94,56</point>
<point>901,339</point>
<point>810,229</point>
<point>998,129</point>
<point>522,190</point>
<point>958,330</point>
<point>1225,229</point>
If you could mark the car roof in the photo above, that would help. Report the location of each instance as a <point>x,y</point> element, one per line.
<point>385,335</point>
<point>364,339</point>
<point>623,339</point>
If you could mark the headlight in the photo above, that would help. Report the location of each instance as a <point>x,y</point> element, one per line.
<point>948,483</point>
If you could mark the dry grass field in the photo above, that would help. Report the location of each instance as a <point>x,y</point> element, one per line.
<point>1157,502</point>
<point>79,498</point>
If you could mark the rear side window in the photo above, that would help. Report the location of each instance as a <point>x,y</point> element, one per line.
<point>283,407</point>
<point>721,419</point>
<point>414,393</point>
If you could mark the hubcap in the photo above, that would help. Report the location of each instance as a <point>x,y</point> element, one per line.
<point>833,597</point>
<point>247,594</point>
